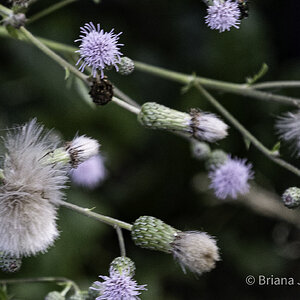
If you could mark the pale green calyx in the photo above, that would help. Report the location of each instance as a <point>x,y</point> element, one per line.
<point>123,264</point>
<point>126,66</point>
<point>9,264</point>
<point>152,233</point>
<point>202,126</point>
<point>291,197</point>
<point>216,158</point>
<point>55,296</point>
<point>59,155</point>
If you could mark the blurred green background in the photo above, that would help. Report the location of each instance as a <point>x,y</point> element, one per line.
<point>152,172</point>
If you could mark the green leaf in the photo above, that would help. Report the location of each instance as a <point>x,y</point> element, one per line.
<point>263,70</point>
<point>12,31</point>
<point>276,148</point>
<point>247,143</point>
<point>3,294</point>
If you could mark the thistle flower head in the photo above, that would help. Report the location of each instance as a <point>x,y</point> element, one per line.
<point>90,173</point>
<point>119,285</point>
<point>288,127</point>
<point>82,148</point>
<point>200,150</point>
<point>196,251</point>
<point>216,158</point>
<point>291,197</point>
<point>223,14</point>
<point>126,66</point>
<point>28,191</point>
<point>231,178</point>
<point>201,125</point>
<point>207,126</point>
<point>98,49</point>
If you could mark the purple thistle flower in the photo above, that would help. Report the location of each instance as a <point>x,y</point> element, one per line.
<point>223,15</point>
<point>90,173</point>
<point>98,49</point>
<point>231,178</point>
<point>118,286</point>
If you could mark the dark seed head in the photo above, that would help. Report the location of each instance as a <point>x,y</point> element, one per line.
<point>101,91</point>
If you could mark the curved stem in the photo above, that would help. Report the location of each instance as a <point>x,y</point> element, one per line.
<point>52,54</point>
<point>49,10</point>
<point>4,11</point>
<point>245,132</point>
<point>277,84</point>
<point>87,212</point>
<point>121,240</point>
<point>125,97</point>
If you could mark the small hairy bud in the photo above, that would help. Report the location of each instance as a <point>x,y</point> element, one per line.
<point>196,251</point>
<point>291,197</point>
<point>81,149</point>
<point>15,20</point>
<point>200,150</point>
<point>10,264</point>
<point>216,158</point>
<point>101,91</point>
<point>126,66</point>
<point>202,126</point>
<point>55,296</point>
<point>123,263</point>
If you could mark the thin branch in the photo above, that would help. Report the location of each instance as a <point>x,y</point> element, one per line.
<point>125,97</point>
<point>87,212</point>
<point>276,85</point>
<point>126,105</point>
<point>49,10</point>
<point>245,132</point>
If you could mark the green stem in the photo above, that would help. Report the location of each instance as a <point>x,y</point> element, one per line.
<point>87,212</point>
<point>121,240</point>
<point>277,84</point>
<point>245,132</point>
<point>124,97</point>
<point>52,54</point>
<point>239,89</point>
<point>4,11</point>
<point>49,10</point>
<point>126,105</point>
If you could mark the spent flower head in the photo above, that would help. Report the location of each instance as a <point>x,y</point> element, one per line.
<point>288,127</point>
<point>28,191</point>
<point>98,49</point>
<point>223,14</point>
<point>231,178</point>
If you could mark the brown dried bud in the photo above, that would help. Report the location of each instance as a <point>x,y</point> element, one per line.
<point>101,91</point>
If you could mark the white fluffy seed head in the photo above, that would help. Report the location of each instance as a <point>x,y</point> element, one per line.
<point>28,192</point>
<point>207,126</point>
<point>196,251</point>
<point>82,148</point>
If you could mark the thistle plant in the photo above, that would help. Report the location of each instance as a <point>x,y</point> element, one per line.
<point>37,165</point>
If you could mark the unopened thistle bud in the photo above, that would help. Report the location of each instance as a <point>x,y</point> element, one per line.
<point>81,149</point>
<point>216,159</point>
<point>55,296</point>
<point>10,264</point>
<point>196,251</point>
<point>200,150</point>
<point>291,197</point>
<point>126,66</point>
<point>123,264</point>
<point>202,126</point>
<point>101,91</point>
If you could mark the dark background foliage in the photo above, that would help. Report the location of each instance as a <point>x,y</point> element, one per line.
<point>151,172</point>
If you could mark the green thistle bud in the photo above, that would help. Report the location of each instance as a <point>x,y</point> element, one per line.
<point>77,296</point>
<point>216,158</point>
<point>201,125</point>
<point>93,294</point>
<point>126,66</point>
<point>55,296</point>
<point>9,263</point>
<point>123,263</point>
<point>152,233</point>
<point>194,250</point>
<point>200,150</point>
<point>291,197</point>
